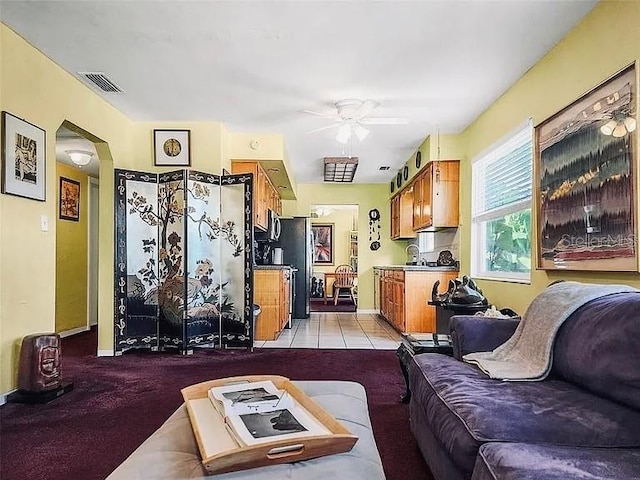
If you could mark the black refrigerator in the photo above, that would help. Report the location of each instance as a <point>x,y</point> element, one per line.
<point>297,250</point>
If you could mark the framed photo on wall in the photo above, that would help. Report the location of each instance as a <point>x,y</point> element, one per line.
<point>322,243</point>
<point>585,186</point>
<point>69,199</point>
<point>172,148</point>
<point>23,158</point>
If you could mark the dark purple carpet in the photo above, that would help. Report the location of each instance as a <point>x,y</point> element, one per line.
<point>118,402</point>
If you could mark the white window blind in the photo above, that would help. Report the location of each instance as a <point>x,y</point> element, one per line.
<point>501,208</point>
<point>502,175</point>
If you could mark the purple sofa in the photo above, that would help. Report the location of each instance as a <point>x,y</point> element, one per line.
<point>584,418</point>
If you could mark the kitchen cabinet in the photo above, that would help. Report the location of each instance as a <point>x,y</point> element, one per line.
<point>436,195</point>
<point>272,291</point>
<point>265,196</point>
<point>404,297</point>
<point>402,215</point>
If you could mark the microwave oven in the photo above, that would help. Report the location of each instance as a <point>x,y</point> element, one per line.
<point>272,234</point>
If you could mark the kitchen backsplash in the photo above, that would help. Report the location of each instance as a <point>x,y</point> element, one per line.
<point>430,244</point>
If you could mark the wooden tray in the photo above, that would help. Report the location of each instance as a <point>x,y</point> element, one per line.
<point>222,452</point>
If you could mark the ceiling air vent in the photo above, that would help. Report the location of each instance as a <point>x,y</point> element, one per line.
<point>384,168</point>
<point>100,80</point>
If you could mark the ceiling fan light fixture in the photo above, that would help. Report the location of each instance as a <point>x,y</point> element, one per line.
<point>80,157</point>
<point>344,133</point>
<point>361,132</point>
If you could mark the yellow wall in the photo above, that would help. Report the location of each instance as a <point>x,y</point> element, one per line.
<point>34,88</point>
<point>367,197</point>
<point>606,41</point>
<point>71,258</point>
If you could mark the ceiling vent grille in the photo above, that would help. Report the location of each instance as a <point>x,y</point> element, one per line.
<point>384,168</point>
<point>100,80</point>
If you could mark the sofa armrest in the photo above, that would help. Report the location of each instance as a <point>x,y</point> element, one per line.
<point>470,333</point>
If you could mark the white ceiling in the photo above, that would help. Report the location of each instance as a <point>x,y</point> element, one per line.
<point>67,140</point>
<point>255,65</point>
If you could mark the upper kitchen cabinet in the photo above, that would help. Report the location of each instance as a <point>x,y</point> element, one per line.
<point>436,195</point>
<point>265,196</point>
<point>402,214</point>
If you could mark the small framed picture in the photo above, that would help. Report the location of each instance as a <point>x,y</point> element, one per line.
<point>69,199</point>
<point>23,158</point>
<point>172,148</point>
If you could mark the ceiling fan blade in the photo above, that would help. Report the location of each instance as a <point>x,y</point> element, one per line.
<point>326,127</point>
<point>365,108</point>
<point>332,116</point>
<point>385,121</point>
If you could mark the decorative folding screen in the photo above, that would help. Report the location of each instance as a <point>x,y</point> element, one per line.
<point>184,275</point>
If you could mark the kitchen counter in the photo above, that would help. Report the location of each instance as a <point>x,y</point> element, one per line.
<point>272,267</point>
<point>417,268</point>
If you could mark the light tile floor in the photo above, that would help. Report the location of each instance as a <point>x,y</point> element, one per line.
<point>337,330</point>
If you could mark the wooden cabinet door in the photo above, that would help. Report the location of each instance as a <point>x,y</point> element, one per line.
<point>418,185</point>
<point>398,300</point>
<point>427,185</point>
<point>445,194</point>
<point>395,217</point>
<point>405,214</point>
<point>376,290</point>
<point>285,295</point>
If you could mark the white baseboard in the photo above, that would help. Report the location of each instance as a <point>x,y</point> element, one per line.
<point>73,331</point>
<point>106,353</point>
<point>3,396</point>
<point>368,310</point>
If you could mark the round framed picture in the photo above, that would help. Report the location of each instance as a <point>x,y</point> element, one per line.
<point>405,172</point>
<point>418,159</point>
<point>393,186</point>
<point>399,179</point>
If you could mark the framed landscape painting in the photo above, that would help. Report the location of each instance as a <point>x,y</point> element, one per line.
<point>69,199</point>
<point>23,158</point>
<point>322,243</point>
<point>586,200</point>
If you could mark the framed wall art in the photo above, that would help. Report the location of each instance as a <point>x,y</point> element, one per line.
<point>172,148</point>
<point>23,158</point>
<point>69,199</point>
<point>585,162</point>
<point>323,243</point>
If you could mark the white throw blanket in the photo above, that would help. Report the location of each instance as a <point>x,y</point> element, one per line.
<point>527,355</point>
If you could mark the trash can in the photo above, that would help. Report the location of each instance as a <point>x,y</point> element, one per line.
<point>256,313</point>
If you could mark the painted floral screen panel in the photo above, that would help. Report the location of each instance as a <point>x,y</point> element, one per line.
<point>204,237</point>
<point>136,274</point>
<point>236,269</point>
<point>171,231</point>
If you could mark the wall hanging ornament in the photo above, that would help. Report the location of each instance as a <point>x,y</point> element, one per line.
<point>374,229</point>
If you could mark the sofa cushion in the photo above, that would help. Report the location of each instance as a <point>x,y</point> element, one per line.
<point>597,348</point>
<point>517,461</point>
<point>464,408</point>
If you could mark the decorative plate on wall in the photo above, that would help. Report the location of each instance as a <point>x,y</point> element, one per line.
<point>418,159</point>
<point>405,172</point>
<point>399,179</point>
<point>393,186</point>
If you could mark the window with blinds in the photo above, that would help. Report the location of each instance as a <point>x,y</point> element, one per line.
<point>501,208</point>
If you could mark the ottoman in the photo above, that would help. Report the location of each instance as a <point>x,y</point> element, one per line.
<point>171,452</point>
<point>519,461</point>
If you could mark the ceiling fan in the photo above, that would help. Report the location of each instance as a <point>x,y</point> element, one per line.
<point>351,117</point>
